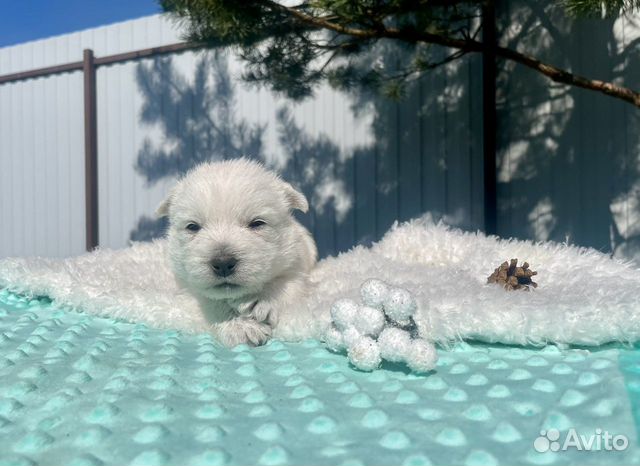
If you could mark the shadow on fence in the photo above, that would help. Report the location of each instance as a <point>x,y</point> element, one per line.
<point>355,193</point>
<point>197,120</point>
<point>567,158</point>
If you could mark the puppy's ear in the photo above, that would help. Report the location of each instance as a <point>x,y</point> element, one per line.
<point>295,198</point>
<point>163,209</point>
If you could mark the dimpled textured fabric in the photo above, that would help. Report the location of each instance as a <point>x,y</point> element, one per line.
<point>77,389</point>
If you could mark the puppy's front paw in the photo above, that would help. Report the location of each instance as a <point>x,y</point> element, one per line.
<point>243,330</point>
<point>256,333</point>
<point>263,311</point>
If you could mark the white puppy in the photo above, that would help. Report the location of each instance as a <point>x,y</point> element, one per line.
<point>235,245</point>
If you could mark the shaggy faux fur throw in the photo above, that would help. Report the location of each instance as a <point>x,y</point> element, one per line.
<point>584,297</point>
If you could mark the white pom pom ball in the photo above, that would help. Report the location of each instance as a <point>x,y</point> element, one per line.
<point>350,335</point>
<point>400,306</point>
<point>333,339</point>
<point>394,344</point>
<point>355,328</point>
<point>369,321</point>
<point>343,313</point>
<point>364,354</point>
<point>373,292</point>
<point>422,356</point>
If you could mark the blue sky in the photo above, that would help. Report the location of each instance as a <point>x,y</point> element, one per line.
<point>25,20</point>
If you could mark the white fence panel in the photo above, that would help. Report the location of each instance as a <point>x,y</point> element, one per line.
<point>569,158</point>
<point>362,162</point>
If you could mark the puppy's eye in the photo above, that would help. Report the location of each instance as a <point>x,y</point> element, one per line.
<point>193,227</point>
<point>256,223</point>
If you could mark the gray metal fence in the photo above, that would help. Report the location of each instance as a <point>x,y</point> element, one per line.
<point>567,159</point>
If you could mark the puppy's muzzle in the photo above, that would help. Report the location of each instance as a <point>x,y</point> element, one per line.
<point>223,266</point>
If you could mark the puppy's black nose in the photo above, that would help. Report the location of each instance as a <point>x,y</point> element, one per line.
<point>224,266</point>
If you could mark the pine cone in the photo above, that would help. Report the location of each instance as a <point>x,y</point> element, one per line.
<point>512,277</point>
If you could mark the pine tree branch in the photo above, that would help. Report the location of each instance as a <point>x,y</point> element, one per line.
<point>467,45</point>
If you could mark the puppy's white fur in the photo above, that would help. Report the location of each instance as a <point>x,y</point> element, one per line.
<point>273,258</point>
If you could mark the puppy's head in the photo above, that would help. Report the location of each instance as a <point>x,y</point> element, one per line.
<point>230,228</point>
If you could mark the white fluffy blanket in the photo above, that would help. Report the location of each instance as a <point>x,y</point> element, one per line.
<point>584,297</point>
